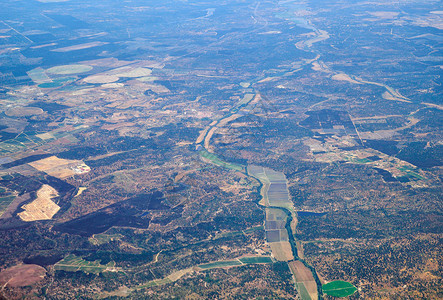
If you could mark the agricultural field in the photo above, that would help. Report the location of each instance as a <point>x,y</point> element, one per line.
<point>99,239</point>
<point>4,203</point>
<point>69,69</point>
<point>339,289</point>
<point>220,264</point>
<point>42,208</point>
<point>217,161</point>
<point>256,260</point>
<point>72,263</point>
<point>60,168</point>
<point>220,149</point>
<point>304,280</point>
<point>275,194</point>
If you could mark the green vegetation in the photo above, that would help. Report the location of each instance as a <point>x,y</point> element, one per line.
<point>154,283</point>
<point>100,239</point>
<point>38,75</point>
<point>217,161</point>
<point>20,143</point>
<point>411,173</point>
<point>246,99</point>
<point>361,160</point>
<point>252,229</point>
<point>301,289</point>
<point>220,264</point>
<point>236,233</point>
<point>49,85</point>
<point>64,79</point>
<point>339,288</point>
<point>257,260</point>
<point>72,263</point>
<point>4,203</point>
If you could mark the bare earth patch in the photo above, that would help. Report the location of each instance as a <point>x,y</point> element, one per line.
<point>22,275</point>
<point>136,72</point>
<point>23,111</point>
<point>344,77</point>
<point>60,168</point>
<point>384,14</point>
<point>42,208</point>
<point>101,79</point>
<point>282,251</point>
<point>79,47</point>
<point>114,85</point>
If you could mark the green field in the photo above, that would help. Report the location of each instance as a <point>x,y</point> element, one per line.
<point>228,234</point>
<point>64,79</point>
<point>361,160</point>
<point>256,260</point>
<point>339,288</point>
<point>21,142</point>
<point>246,99</point>
<point>411,173</point>
<point>220,264</point>
<point>72,263</point>
<point>217,161</point>
<point>4,203</point>
<point>38,75</point>
<point>152,283</point>
<point>252,229</point>
<point>303,292</point>
<point>50,85</point>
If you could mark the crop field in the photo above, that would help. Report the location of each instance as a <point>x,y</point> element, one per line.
<point>79,47</point>
<point>411,173</point>
<point>303,292</point>
<point>344,77</point>
<point>179,274</point>
<point>220,264</point>
<point>69,69</point>
<point>217,161</point>
<point>339,288</point>
<point>209,136</point>
<point>101,79</point>
<point>60,168</point>
<point>50,85</point>
<point>102,238</point>
<point>21,142</point>
<point>38,75</point>
<point>257,260</point>
<point>282,251</point>
<point>42,208</point>
<point>304,280</point>
<point>278,195</point>
<point>154,283</point>
<point>275,226</point>
<point>72,263</point>
<point>136,72</point>
<point>245,100</point>
<point>275,193</point>
<point>4,203</point>
<point>252,229</point>
<point>147,78</point>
